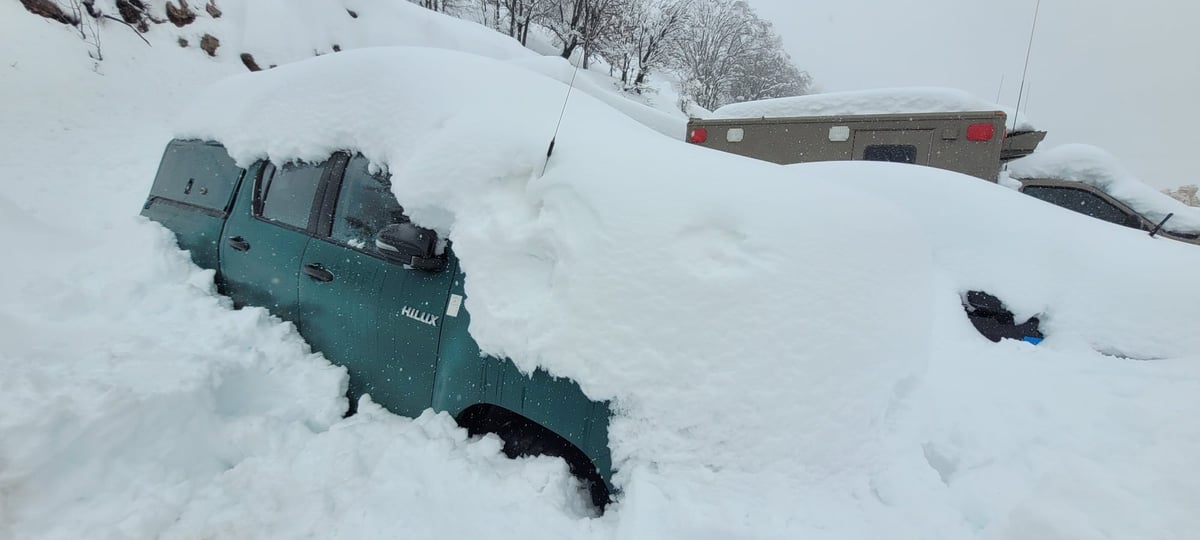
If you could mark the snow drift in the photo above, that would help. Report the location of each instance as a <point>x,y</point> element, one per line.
<point>135,403</point>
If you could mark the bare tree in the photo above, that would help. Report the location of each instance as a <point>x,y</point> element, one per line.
<point>706,57</point>
<point>565,19</point>
<point>582,24</point>
<point>728,53</point>
<point>435,5</point>
<point>642,37</point>
<point>520,15</point>
<point>767,71</point>
<point>89,26</point>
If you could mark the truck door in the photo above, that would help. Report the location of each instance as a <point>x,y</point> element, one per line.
<point>379,319</point>
<point>897,145</point>
<point>266,235</point>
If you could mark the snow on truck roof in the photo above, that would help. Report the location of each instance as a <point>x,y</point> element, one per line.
<point>1093,166</point>
<point>873,101</point>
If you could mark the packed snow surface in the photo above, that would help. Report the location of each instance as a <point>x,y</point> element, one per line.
<point>874,101</point>
<point>796,362</point>
<point>1078,274</point>
<point>1094,166</point>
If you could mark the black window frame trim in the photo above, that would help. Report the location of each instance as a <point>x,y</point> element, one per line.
<point>256,203</point>
<point>328,208</point>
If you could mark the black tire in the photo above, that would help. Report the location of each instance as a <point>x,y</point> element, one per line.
<point>523,437</point>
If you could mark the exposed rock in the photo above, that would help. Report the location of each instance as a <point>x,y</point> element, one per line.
<point>180,15</point>
<point>134,13</point>
<point>353,15</point>
<point>337,48</point>
<point>90,7</point>
<point>131,10</point>
<point>209,43</point>
<point>183,43</point>
<point>49,10</point>
<point>248,61</point>
<point>212,9</point>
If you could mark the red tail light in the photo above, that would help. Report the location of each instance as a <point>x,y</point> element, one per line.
<point>698,135</point>
<point>981,132</point>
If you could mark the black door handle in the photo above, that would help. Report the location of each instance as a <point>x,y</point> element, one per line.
<point>239,243</point>
<point>318,272</point>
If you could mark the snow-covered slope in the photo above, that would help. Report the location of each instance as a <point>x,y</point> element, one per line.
<point>137,403</point>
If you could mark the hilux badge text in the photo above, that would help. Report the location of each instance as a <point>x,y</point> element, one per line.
<point>418,315</point>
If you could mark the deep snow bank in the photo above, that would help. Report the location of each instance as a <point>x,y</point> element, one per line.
<point>134,379</point>
<point>716,299</point>
<point>999,440</point>
<point>1116,288</point>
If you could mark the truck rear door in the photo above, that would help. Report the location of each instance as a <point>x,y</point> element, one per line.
<point>266,234</point>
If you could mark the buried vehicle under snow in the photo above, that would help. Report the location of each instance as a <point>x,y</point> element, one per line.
<point>327,247</point>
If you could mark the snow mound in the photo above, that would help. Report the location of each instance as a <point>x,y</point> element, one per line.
<point>1065,267</point>
<point>874,101</point>
<point>137,405</point>
<point>1094,166</point>
<point>619,273</point>
<point>130,377</point>
<point>282,31</point>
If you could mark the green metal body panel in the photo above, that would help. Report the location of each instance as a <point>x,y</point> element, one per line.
<point>402,333</point>
<point>466,377</point>
<point>268,273</point>
<point>359,320</point>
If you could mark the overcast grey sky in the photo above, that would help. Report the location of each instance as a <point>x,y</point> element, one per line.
<point>1119,74</point>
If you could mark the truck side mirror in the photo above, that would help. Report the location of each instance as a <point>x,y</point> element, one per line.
<point>412,245</point>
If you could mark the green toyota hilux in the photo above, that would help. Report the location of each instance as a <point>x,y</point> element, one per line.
<point>328,247</point>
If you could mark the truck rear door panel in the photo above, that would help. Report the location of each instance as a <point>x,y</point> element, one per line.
<point>266,234</point>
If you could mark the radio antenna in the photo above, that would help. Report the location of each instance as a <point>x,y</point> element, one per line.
<point>561,113</point>
<point>999,89</point>
<point>1028,50</point>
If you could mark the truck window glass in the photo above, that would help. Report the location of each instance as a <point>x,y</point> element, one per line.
<point>287,195</point>
<point>1080,201</point>
<point>899,153</point>
<point>364,206</point>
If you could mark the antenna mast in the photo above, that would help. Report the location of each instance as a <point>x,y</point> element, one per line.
<point>1028,50</point>
<point>561,113</point>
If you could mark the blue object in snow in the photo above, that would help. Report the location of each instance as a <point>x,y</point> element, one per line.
<point>1031,339</point>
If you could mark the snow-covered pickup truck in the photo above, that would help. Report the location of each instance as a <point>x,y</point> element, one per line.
<point>327,247</point>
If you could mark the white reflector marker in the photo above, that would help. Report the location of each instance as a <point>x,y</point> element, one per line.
<point>454,305</point>
<point>735,135</point>
<point>839,133</point>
